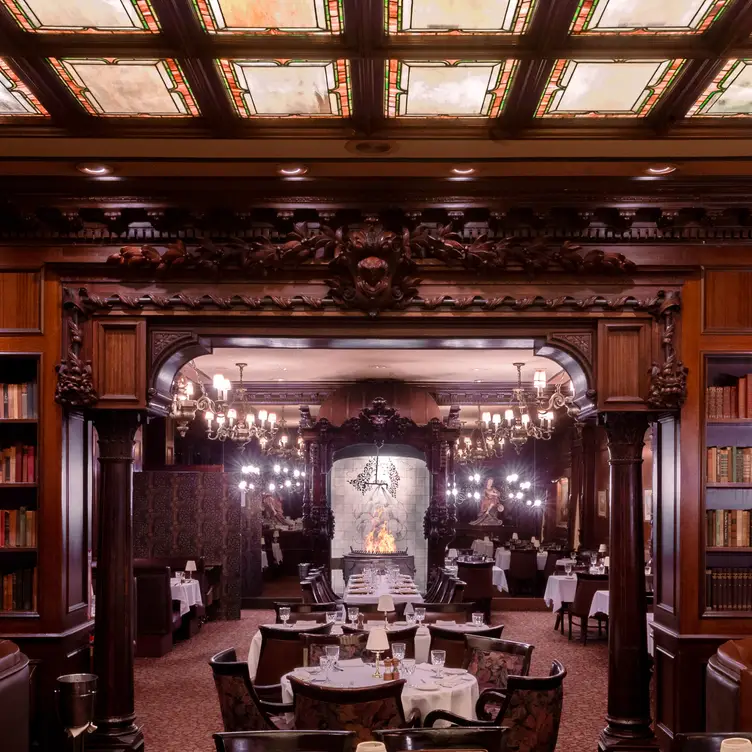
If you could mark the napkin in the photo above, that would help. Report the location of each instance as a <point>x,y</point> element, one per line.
<point>306,624</point>
<point>350,662</point>
<point>440,623</point>
<point>302,674</point>
<point>409,608</point>
<point>451,681</point>
<point>455,671</point>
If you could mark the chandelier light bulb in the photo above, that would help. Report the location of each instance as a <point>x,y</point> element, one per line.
<point>283,441</point>
<point>272,418</point>
<point>250,418</point>
<point>525,485</point>
<point>512,478</point>
<point>539,379</point>
<point>288,483</point>
<point>486,418</point>
<point>455,492</point>
<point>496,419</point>
<point>242,485</point>
<point>262,415</point>
<point>511,495</point>
<point>272,486</point>
<point>509,416</point>
<point>525,419</point>
<point>232,414</point>
<point>251,487</point>
<point>296,473</point>
<point>537,503</point>
<point>528,503</point>
<point>277,469</point>
<point>209,415</point>
<point>476,477</point>
<point>218,381</point>
<point>302,472</point>
<point>519,495</point>
<point>297,485</point>
<point>245,469</point>
<point>189,388</point>
<point>221,419</point>
<point>285,469</point>
<point>256,470</point>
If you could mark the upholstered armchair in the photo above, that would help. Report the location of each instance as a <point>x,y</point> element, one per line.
<point>14,697</point>
<point>490,739</point>
<point>492,661</point>
<point>453,642</point>
<point>286,741</point>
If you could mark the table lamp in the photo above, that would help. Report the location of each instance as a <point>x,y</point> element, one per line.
<point>190,566</point>
<point>515,536</point>
<point>736,744</point>
<point>377,643</point>
<point>371,747</point>
<point>602,548</point>
<point>386,604</point>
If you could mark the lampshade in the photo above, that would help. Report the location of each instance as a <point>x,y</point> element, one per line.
<point>377,639</point>
<point>515,536</point>
<point>386,603</point>
<point>371,747</point>
<point>602,548</point>
<point>452,553</point>
<point>190,566</point>
<point>736,744</point>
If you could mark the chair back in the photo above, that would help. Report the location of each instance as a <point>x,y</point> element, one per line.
<point>459,613</point>
<point>704,742</point>
<point>523,565</point>
<point>453,642</point>
<point>489,739</point>
<point>314,646</point>
<point>361,710</point>
<point>281,651</point>
<point>286,741</point>
<point>370,608</point>
<point>587,585</point>
<point>550,565</point>
<point>532,710</point>
<point>491,661</point>
<point>238,702</point>
<point>435,588</point>
<point>305,611</point>
<point>457,594</point>
<point>406,635</point>
<point>478,579</point>
<point>306,587</point>
<point>154,613</point>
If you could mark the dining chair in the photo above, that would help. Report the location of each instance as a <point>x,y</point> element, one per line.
<point>361,709</point>
<point>285,741</point>
<point>350,646</point>
<point>530,708</point>
<point>523,571</point>
<point>453,642</point>
<point>491,660</point>
<point>478,579</point>
<point>459,613</point>
<point>305,611</point>
<point>488,739</point>
<point>281,651</point>
<point>587,585</point>
<point>406,635</point>
<point>241,708</point>
<point>704,742</point>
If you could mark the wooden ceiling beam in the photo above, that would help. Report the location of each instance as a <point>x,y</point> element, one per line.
<point>364,32</point>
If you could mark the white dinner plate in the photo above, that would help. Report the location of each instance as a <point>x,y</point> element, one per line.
<point>427,686</point>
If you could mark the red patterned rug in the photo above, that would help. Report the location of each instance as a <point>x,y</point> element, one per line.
<point>177,704</point>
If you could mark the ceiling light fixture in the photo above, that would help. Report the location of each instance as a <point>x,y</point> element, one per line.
<point>96,170</point>
<point>292,170</point>
<point>661,169</point>
<point>463,170</point>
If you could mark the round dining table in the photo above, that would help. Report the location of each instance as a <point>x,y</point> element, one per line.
<point>457,691</point>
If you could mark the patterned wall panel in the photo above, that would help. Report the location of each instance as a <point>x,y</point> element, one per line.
<point>178,513</point>
<point>250,566</point>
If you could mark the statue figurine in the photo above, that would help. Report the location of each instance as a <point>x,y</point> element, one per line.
<point>490,507</point>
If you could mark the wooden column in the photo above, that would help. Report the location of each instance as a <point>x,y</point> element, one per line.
<point>113,631</point>
<point>628,661</point>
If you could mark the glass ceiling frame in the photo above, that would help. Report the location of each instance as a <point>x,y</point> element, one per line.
<point>367,46</point>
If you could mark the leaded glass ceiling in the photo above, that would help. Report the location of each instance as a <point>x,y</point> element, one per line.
<point>356,68</point>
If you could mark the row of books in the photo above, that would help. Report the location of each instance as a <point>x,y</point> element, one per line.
<point>723,402</point>
<point>728,589</point>
<point>729,528</point>
<point>18,401</point>
<point>729,464</point>
<point>18,528</point>
<point>19,590</point>
<point>18,464</point>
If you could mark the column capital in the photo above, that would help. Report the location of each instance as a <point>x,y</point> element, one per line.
<point>116,430</point>
<point>626,436</point>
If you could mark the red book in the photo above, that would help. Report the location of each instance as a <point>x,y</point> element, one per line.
<point>19,463</point>
<point>741,392</point>
<point>30,469</point>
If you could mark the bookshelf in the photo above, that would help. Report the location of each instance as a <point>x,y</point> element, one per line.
<point>728,485</point>
<point>19,485</point>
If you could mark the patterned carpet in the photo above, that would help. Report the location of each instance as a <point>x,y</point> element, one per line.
<point>177,704</point>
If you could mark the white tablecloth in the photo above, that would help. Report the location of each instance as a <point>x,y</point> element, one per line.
<point>380,588</point>
<point>459,698</point>
<point>483,547</point>
<point>559,589</point>
<point>188,593</point>
<point>504,557</point>
<point>255,649</point>
<point>277,553</point>
<point>264,559</point>
<point>500,579</point>
<point>599,604</point>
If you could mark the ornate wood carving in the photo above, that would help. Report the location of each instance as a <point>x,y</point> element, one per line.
<point>668,381</point>
<point>580,341</point>
<point>162,341</point>
<point>74,387</point>
<point>440,522</point>
<point>378,423</point>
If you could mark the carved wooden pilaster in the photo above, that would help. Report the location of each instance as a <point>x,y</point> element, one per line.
<point>668,380</point>
<point>74,386</point>
<point>113,630</point>
<point>628,660</point>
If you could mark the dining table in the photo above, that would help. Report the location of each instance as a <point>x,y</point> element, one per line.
<point>600,604</point>
<point>560,589</point>
<point>404,591</point>
<point>504,559</point>
<point>483,547</point>
<point>456,692</point>
<point>499,577</point>
<point>186,592</point>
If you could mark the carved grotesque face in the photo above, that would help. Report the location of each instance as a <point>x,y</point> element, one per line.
<point>373,271</point>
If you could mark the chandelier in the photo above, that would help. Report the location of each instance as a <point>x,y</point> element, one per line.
<point>230,416</point>
<point>529,415</point>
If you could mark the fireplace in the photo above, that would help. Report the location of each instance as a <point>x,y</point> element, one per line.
<point>379,499</point>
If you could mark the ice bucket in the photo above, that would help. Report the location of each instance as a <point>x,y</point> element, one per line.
<point>76,694</point>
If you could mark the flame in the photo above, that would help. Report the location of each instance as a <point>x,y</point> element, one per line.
<point>380,541</point>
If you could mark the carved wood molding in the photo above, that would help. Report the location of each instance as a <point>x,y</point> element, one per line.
<point>74,387</point>
<point>580,341</point>
<point>439,521</point>
<point>668,381</point>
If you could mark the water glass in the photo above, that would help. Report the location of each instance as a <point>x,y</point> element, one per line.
<point>352,614</point>
<point>331,617</point>
<point>410,619</point>
<point>438,659</point>
<point>398,651</point>
<point>284,614</point>
<point>325,664</point>
<point>341,614</point>
<point>408,667</point>
<point>332,653</point>
<point>568,569</point>
<point>420,614</point>
<point>477,619</point>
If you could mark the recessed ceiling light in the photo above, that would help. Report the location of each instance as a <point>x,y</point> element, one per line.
<point>92,168</point>
<point>292,170</point>
<point>379,367</point>
<point>478,381</point>
<point>661,169</point>
<point>463,170</point>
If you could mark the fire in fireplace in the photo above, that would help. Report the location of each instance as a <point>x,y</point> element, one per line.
<point>379,540</point>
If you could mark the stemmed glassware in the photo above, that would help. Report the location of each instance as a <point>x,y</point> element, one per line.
<point>408,666</point>
<point>352,614</point>
<point>420,614</point>
<point>410,619</point>
<point>398,651</point>
<point>568,569</point>
<point>284,614</point>
<point>325,663</point>
<point>331,617</point>
<point>438,659</point>
<point>332,653</point>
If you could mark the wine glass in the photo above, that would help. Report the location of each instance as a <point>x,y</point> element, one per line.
<point>477,619</point>
<point>408,666</point>
<point>420,614</point>
<point>332,653</point>
<point>331,617</point>
<point>398,651</point>
<point>325,663</point>
<point>568,569</point>
<point>352,614</point>
<point>284,614</point>
<point>438,659</point>
<point>410,619</point>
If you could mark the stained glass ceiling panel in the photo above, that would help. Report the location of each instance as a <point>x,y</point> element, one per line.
<point>646,16</point>
<point>457,16</point>
<point>15,97</point>
<point>128,88</point>
<point>606,88</point>
<point>288,88</point>
<point>270,16</point>
<point>82,16</point>
<point>730,94</point>
<point>450,89</point>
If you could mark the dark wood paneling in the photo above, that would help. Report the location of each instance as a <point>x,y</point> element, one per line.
<point>75,509</point>
<point>727,300</point>
<point>624,352</point>
<point>665,678</point>
<point>120,362</point>
<point>20,302</point>
<point>666,511</point>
